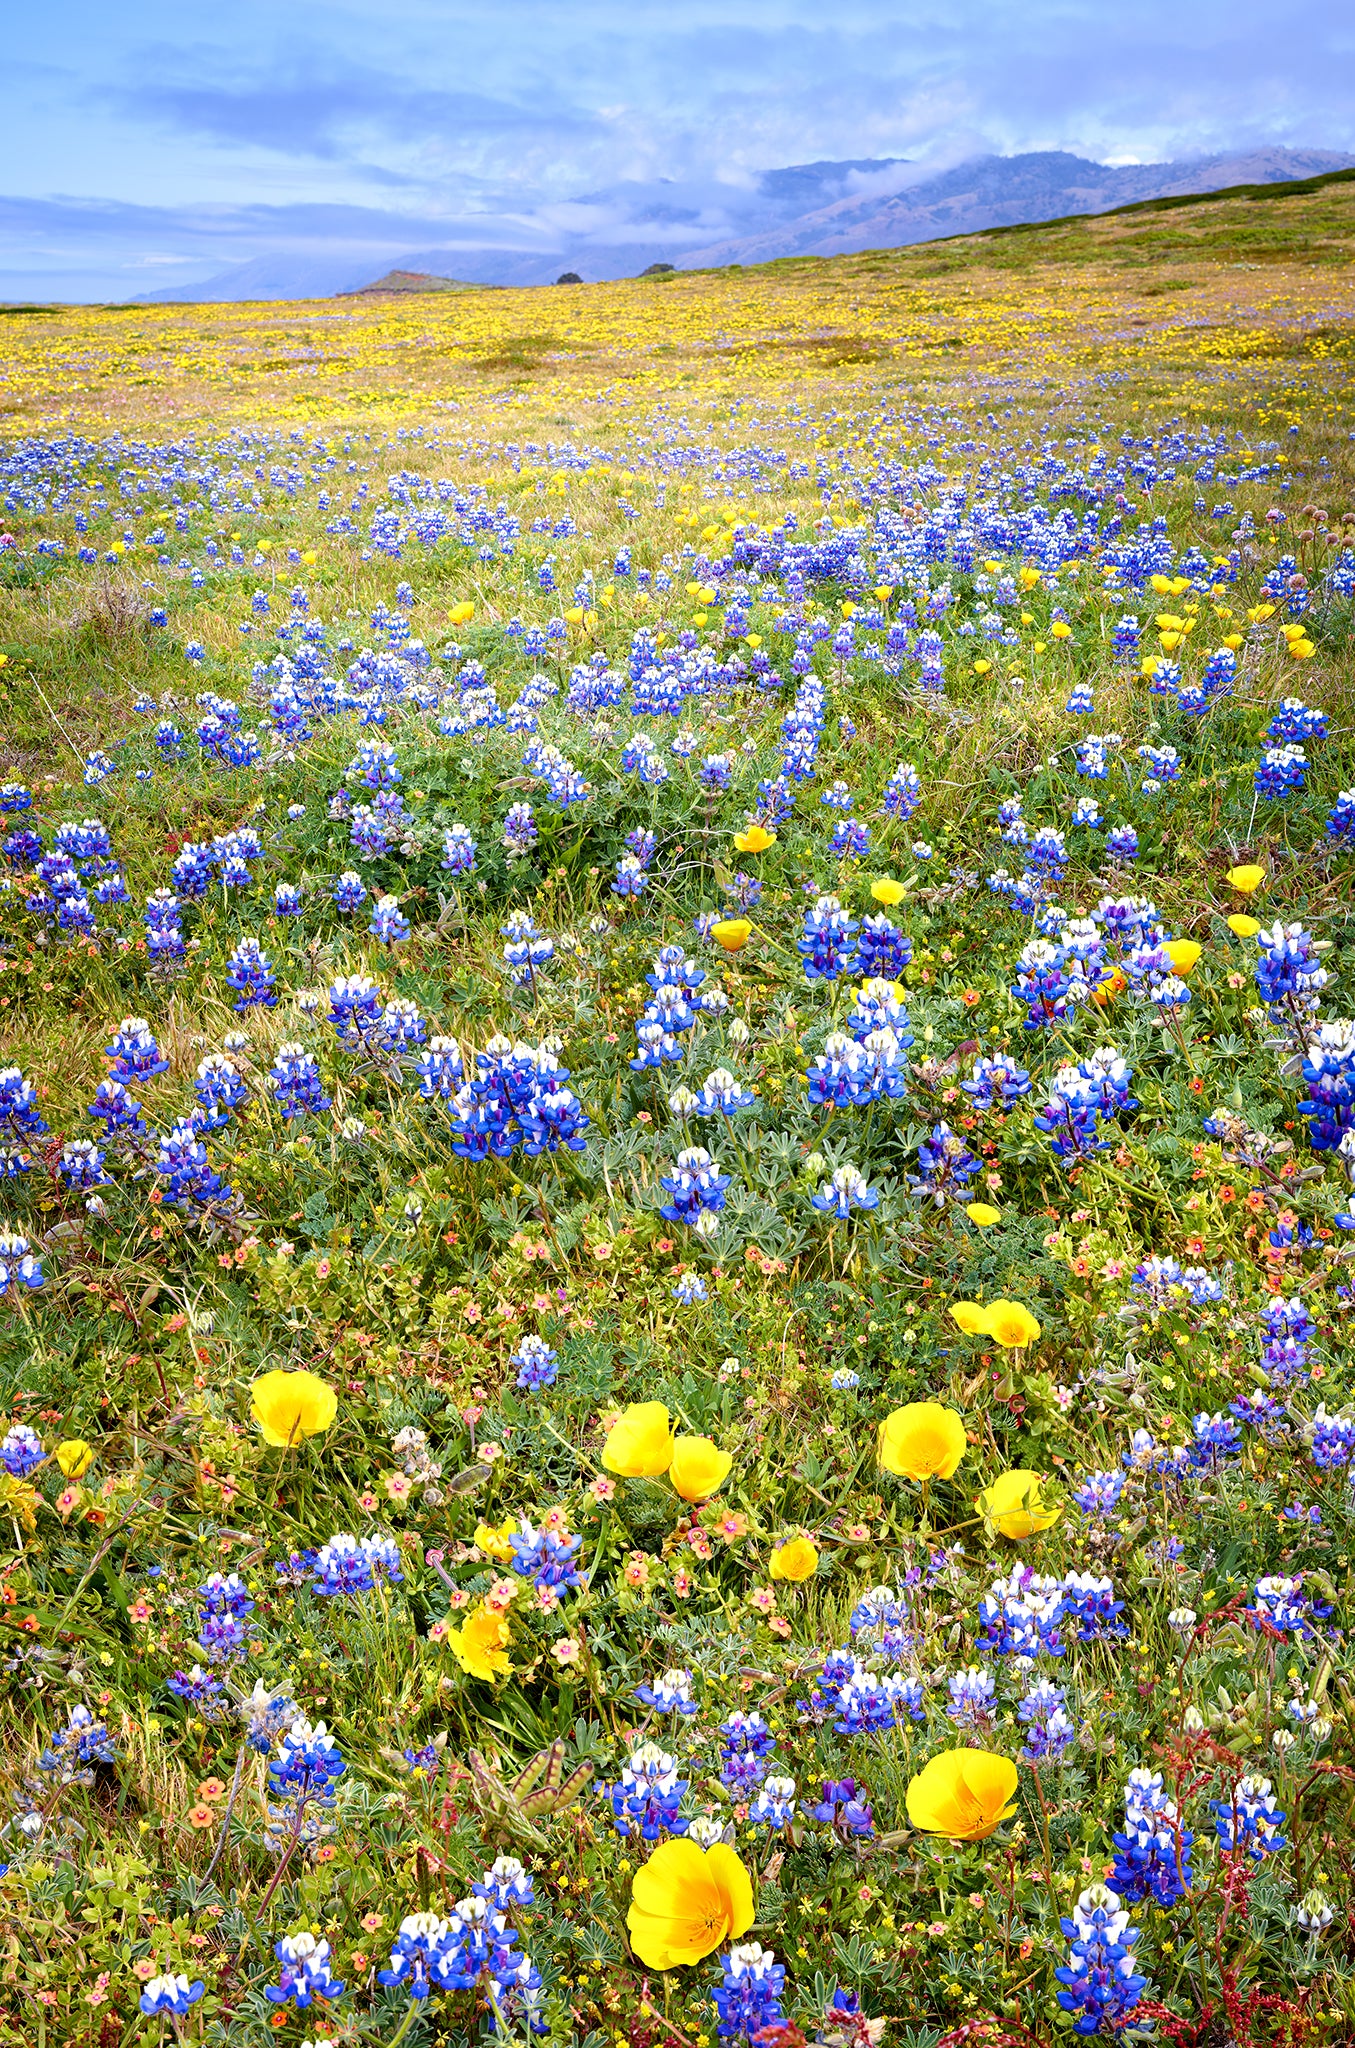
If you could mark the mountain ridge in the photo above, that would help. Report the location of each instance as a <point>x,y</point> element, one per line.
<point>875,203</point>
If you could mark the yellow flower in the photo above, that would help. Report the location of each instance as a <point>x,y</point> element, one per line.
<point>962,1793</point>
<point>1243,926</point>
<point>922,1441</point>
<point>969,1316</point>
<point>1010,1324</point>
<point>291,1405</point>
<point>496,1543</point>
<point>981,668</point>
<point>797,1559</point>
<point>74,1457</point>
<point>886,890</point>
<point>1016,1506</point>
<point>1060,631</point>
<point>699,1467</point>
<point>687,1902</point>
<point>1246,880</point>
<point>640,1445</point>
<point>480,1645</point>
<point>982,1213</point>
<point>1183,954</point>
<point>754,839</point>
<point>461,614</point>
<point>732,933</point>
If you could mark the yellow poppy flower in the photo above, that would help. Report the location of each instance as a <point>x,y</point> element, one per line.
<point>480,1645</point>
<point>699,1467</point>
<point>1242,926</point>
<point>1010,1324</point>
<point>983,1213</point>
<point>732,933</point>
<point>1015,1505</point>
<point>640,1445</point>
<point>74,1457</point>
<point>754,839</point>
<point>496,1543</point>
<point>686,1902</point>
<point>969,1315</point>
<point>1183,954</point>
<point>922,1441</point>
<point>963,1794</point>
<point>461,614</point>
<point>886,890</point>
<point>1246,880</point>
<point>291,1405</point>
<point>797,1559</point>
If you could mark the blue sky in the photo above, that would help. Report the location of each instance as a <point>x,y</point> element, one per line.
<point>152,144</point>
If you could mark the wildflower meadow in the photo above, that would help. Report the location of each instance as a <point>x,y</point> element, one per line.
<point>677,1124</point>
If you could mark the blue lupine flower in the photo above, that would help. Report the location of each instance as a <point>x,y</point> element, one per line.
<point>1101,1986</point>
<point>547,1557</point>
<point>536,1363</point>
<point>827,941</point>
<point>1122,844</point>
<point>349,891</point>
<point>946,1166</point>
<point>997,1082</point>
<point>305,1972</point>
<point>1280,771</point>
<point>1280,1603</point>
<point>348,1565</point>
<point>1289,975</point>
<point>388,925</point>
<point>297,1088</point>
<point>774,1806</point>
<point>182,1163</point>
<point>646,1797</point>
<point>972,1697</point>
<point>696,1188</point>
<point>689,1288</point>
<point>1250,1820</point>
<point>72,1752</point>
<point>21,1451</point>
<point>670,1693</point>
<point>134,1052</point>
<point>844,1808</point>
<point>1152,1854</point>
<point>1098,1493</point>
<point>902,793</point>
<point>749,1995</point>
<point>883,951</point>
<point>1340,819</point>
<point>1049,1730</point>
<point>171,1993</point>
<point>287,900</point>
<point>220,1089</point>
<point>845,1190</point>
<point>249,971</point>
<point>1329,1071</point>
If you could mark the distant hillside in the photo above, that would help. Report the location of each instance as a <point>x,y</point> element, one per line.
<point>410,281</point>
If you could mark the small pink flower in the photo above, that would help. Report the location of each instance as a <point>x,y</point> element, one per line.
<point>637,1569</point>
<point>368,1502</point>
<point>322,1269</point>
<point>399,1485</point>
<point>566,1651</point>
<point>541,1303</point>
<point>490,1453</point>
<point>547,1599</point>
<point>778,1625</point>
<point>145,1969</point>
<point>458,1597</point>
<point>138,1611</point>
<point>763,1599</point>
<point>682,1583</point>
<point>602,1489</point>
